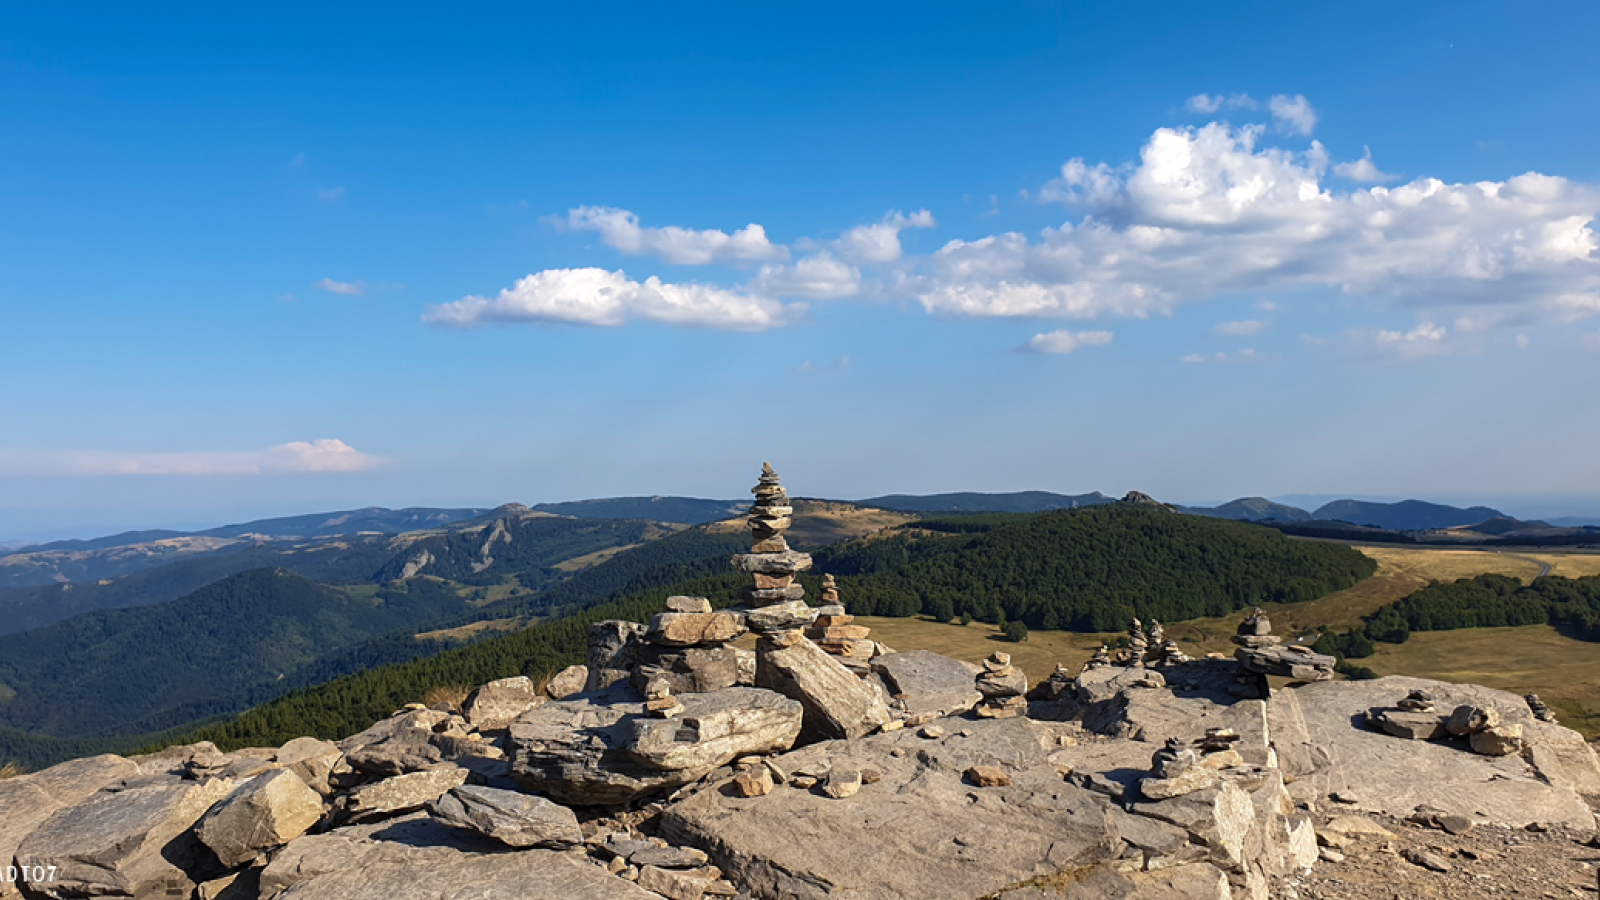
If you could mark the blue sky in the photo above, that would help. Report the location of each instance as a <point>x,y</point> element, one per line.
<point>310,257</point>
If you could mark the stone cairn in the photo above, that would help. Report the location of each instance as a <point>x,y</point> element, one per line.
<point>776,603</point>
<point>1259,652</point>
<point>1539,708</point>
<point>1002,686</point>
<point>1415,717</point>
<point>690,646</point>
<point>1100,660</point>
<point>834,632</point>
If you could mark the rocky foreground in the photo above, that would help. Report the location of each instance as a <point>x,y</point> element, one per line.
<point>822,764</point>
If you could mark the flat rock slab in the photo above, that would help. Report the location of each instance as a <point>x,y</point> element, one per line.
<point>418,859</point>
<point>919,831</point>
<point>1325,744</point>
<point>510,817</point>
<point>837,703</point>
<point>28,800</point>
<point>928,683</point>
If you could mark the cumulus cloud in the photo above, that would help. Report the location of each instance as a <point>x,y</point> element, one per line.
<point>1245,355</point>
<point>347,288</point>
<point>620,230</point>
<point>1293,114</point>
<point>1204,104</point>
<point>296,457</point>
<point>1241,329</point>
<point>1209,211</point>
<point>1065,341</point>
<point>1426,339</point>
<point>1362,169</point>
<point>820,277</point>
<point>598,297</point>
<point>880,242</point>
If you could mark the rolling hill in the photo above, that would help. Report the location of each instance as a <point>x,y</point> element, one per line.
<point>1407,515</point>
<point>1251,509</point>
<point>1017,502</point>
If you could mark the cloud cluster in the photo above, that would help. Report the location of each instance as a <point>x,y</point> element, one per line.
<point>296,457</point>
<point>620,230</point>
<point>880,242</point>
<point>599,297</point>
<point>345,288</point>
<point>1065,341</point>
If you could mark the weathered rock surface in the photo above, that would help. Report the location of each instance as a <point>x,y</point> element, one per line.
<point>690,670</point>
<point>778,616</point>
<point>497,704</point>
<point>267,811</point>
<point>1297,663</point>
<point>133,842</point>
<point>28,800</point>
<point>421,859</point>
<point>1413,726</point>
<point>613,646</point>
<point>316,762</point>
<point>927,683</point>
<point>837,703</point>
<point>567,682</point>
<point>683,629</point>
<point>1324,745</point>
<point>402,793</point>
<point>601,749</point>
<point>510,817</point>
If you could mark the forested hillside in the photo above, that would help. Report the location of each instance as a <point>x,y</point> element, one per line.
<point>1087,569</point>
<point>514,545</point>
<point>1570,604</point>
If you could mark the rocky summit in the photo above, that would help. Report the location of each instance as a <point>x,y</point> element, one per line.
<point>823,765</point>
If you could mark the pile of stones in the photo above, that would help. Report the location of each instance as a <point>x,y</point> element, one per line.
<point>1003,687</point>
<point>1539,708</point>
<point>776,602</point>
<point>838,636</point>
<point>1259,652</point>
<point>1415,717</point>
<point>690,648</point>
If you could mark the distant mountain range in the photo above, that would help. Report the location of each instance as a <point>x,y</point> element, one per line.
<point>688,510</point>
<point>1019,502</point>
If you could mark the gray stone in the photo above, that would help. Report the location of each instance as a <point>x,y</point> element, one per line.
<point>1427,859</point>
<point>785,563</point>
<point>1289,662</point>
<point>1003,684</point>
<point>602,750</point>
<point>1321,748</point>
<point>768,596</point>
<point>420,859</point>
<point>780,616</point>
<point>1413,726</point>
<point>402,793</point>
<point>688,604</point>
<point>679,629</point>
<point>690,670</point>
<point>497,704</point>
<point>133,842</point>
<point>613,648</point>
<point>1186,782</point>
<point>567,682</point>
<point>1471,720</point>
<point>674,885</point>
<point>837,703</point>
<point>1221,817</point>
<point>28,800</point>
<point>927,683</point>
<point>669,857</point>
<point>266,812</point>
<point>510,817</point>
<point>314,761</point>
<point>1501,740</point>
<point>842,783</point>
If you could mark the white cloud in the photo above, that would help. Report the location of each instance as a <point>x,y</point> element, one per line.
<point>1293,114</point>
<point>296,457</point>
<point>1362,170</point>
<point>330,194</point>
<point>819,277</point>
<point>1208,212</point>
<point>880,242</point>
<point>598,297</point>
<point>347,288</point>
<point>620,230</point>
<point>1065,341</point>
<point>1426,339</point>
<point>1241,329</point>
<point>1206,105</point>
<point>1245,355</point>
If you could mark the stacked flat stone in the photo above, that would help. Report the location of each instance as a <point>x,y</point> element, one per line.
<point>834,632</point>
<point>658,700</point>
<point>1259,653</point>
<point>776,602</point>
<point>1002,686</point>
<point>1539,708</point>
<point>1100,660</point>
<point>690,647</point>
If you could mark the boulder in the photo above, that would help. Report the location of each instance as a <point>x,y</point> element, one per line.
<point>566,682</point>
<point>420,859</point>
<point>1413,726</point>
<point>780,616</point>
<point>497,704</point>
<point>1323,747</point>
<point>690,670</point>
<point>402,793</point>
<point>674,629</point>
<point>28,800</point>
<point>135,841</point>
<point>267,811</point>
<point>613,646</point>
<point>1220,817</point>
<point>927,683</point>
<point>1297,663</point>
<point>510,817</point>
<point>1186,782</point>
<point>1471,720</point>
<point>837,703</point>
<point>601,750</point>
<point>1501,740</point>
<point>316,762</point>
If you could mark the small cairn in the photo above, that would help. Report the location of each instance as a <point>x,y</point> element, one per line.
<point>658,699</point>
<point>1003,687</point>
<point>1255,632</point>
<point>1172,654</point>
<point>834,632</point>
<point>1539,708</point>
<point>1417,701</point>
<point>1137,645</point>
<point>1157,639</point>
<point>776,602</point>
<point>1259,653</point>
<point>1100,660</point>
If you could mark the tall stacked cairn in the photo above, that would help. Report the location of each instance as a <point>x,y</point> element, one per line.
<point>776,603</point>
<point>836,634</point>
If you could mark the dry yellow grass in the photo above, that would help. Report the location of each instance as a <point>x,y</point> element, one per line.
<point>472,630</point>
<point>12,770</point>
<point>591,559</point>
<point>450,696</point>
<point>820,522</point>
<point>1572,565</point>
